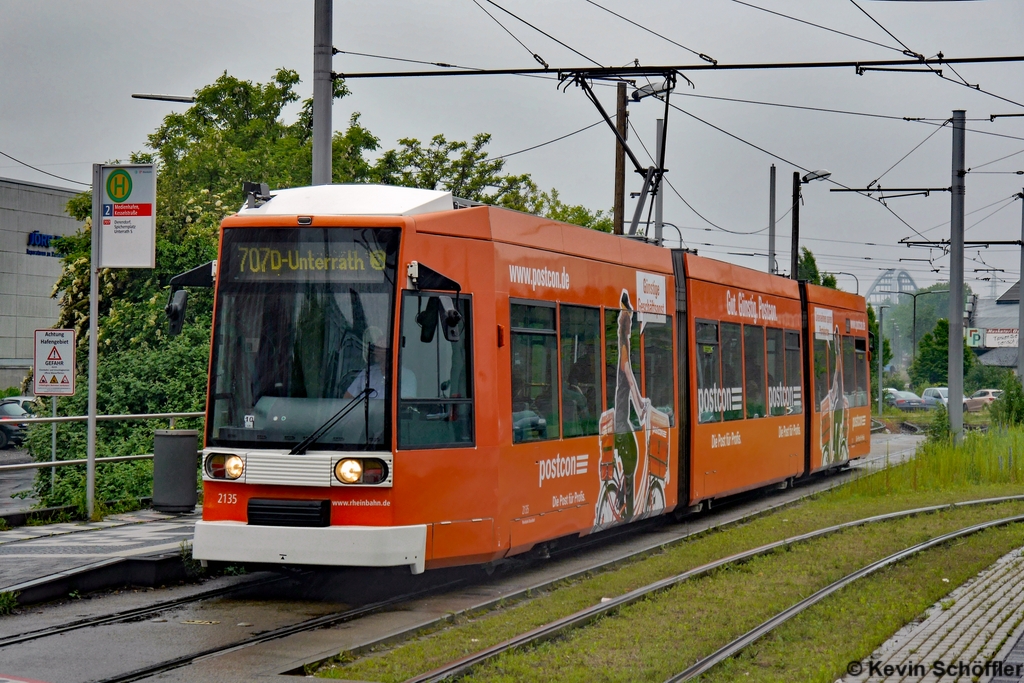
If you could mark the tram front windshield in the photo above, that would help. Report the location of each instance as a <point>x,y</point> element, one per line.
<point>302,331</point>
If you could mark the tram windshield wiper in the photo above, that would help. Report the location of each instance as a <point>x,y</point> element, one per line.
<point>303,446</point>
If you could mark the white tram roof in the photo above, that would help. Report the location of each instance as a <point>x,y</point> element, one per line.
<point>352,200</point>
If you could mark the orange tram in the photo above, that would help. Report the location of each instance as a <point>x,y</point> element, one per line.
<point>400,380</point>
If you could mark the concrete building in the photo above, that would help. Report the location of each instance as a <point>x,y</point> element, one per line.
<point>992,331</point>
<point>31,215</point>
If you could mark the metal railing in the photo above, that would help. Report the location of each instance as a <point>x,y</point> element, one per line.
<point>82,418</point>
<point>80,461</point>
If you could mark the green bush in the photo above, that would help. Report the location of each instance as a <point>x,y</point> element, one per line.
<point>1008,409</point>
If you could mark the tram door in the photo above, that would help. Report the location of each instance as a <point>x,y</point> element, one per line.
<point>682,377</point>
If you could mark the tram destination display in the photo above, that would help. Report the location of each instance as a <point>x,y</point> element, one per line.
<point>304,262</point>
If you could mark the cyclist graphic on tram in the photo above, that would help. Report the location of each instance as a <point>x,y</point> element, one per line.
<point>621,451</point>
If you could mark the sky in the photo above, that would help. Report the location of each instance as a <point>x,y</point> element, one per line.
<point>70,68</point>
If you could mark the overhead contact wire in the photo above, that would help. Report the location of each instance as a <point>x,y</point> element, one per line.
<point>791,163</point>
<point>824,28</point>
<point>697,54</point>
<point>536,56</point>
<point>443,65</point>
<point>561,137</point>
<point>39,170</point>
<point>907,50</point>
<point>681,197</point>
<point>875,181</point>
<point>541,31</point>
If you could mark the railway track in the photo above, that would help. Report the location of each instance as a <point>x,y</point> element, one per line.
<point>353,614</point>
<point>752,636</point>
<point>588,615</point>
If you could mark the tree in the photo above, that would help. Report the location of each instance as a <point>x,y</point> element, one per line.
<point>464,169</point>
<point>932,363</point>
<point>807,269</point>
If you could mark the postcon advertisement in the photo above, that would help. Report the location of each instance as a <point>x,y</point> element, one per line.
<point>127,216</point>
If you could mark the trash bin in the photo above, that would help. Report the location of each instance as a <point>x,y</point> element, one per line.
<point>175,461</point>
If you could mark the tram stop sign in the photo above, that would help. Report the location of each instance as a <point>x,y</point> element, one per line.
<point>127,238</point>
<point>54,367</point>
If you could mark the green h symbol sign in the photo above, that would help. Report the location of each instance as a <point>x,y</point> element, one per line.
<point>119,185</point>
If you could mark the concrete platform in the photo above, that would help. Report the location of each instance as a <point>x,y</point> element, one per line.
<point>36,561</point>
<point>976,633</point>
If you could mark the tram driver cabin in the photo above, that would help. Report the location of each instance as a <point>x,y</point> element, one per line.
<point>396,379</point>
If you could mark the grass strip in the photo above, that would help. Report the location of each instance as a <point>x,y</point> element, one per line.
<point>850,625</point>
<point>473,634</point>
<point>655,639</point>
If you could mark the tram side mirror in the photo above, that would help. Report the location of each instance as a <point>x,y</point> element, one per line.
<point>175,311</point>
<point>427,319</point>
<point>450,319</point>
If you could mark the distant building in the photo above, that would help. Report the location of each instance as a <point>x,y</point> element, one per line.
<point>31,215</point>
<point>992,330</point>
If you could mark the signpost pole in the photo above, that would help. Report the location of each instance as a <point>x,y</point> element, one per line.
<point>1020,302</point>
<point>53,446</point>
<point>94,313</point>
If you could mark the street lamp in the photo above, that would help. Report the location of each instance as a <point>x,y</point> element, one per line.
<point>164,98</point>
<point>797,182</point>
<point>913,347</point>
<point>855,278</point>
<point>881,352</point>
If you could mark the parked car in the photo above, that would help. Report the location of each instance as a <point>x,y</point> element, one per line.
<point>907,400</point>
<point>981,398</point>
<point>12,430</point>
<point>934,397</point>
<point>26,403</point>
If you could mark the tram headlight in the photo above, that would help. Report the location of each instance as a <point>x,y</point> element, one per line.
<point>374,471</point>
<point>348,471</point>
<point>224,466</point>
<point>233,466</point>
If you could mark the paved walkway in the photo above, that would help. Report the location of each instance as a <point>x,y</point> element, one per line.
<point>29,553</point>
<point>975,634</point>
<point>15,482</point>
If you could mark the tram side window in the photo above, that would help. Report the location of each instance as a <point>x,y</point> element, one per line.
<point>821,353</point>
<point>794,373</point>
<point>861,361</point>
<point>534,373</point>
<point>849,372</point>
<point>658,374</point>
<point>435,405</point>
<point>709,408</point>
<point>581,370</point>
<point>777,394</point>
<point>753,357</point>
<point>732,372</point>
<point>621,328</point>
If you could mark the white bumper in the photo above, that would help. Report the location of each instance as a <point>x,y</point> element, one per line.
<point>346,546</point>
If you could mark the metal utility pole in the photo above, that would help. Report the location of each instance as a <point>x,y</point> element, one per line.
<point>881,354</point>
<point>323,90</point>
<point>794,257</point>
<point>94,314</point>
<point>771,221</point>
<point>956,281</point>
<point>660,141</point>
<point>1020,302</point>
<point>619,205</point>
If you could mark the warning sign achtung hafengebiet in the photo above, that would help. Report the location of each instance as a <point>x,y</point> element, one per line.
<point>54,368</point>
